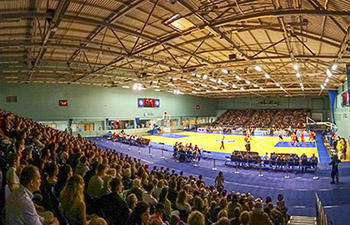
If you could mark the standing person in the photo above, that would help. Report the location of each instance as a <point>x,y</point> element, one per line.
<point>335,173</point>
<point>219,181</point>
<point>302,137</point>
<point>312,136</point>
<point>247,146</point>
<point>293,138</point>
<point>222,143</point>
<point>343,148</point>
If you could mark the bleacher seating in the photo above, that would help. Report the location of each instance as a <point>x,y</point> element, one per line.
<point>118,189</point>
<point>267,118</point>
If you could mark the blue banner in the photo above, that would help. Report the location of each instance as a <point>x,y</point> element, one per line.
<point>332,94</point>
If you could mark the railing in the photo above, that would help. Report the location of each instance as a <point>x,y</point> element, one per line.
<point>320,213</point>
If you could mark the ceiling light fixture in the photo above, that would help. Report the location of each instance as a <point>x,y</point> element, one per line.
<point>198,75</point>
<point>329,73</point>
<point>224,90</point>
<point>224,83</point>
<point>219,81</point>
<point>267,75</point>
<point>204,85</point>
<point>212,80</point>
<point>238,77</point>
<point>298,75</point>
<point>258,68</point>
<point>295,66</point>
<point>224,71</point>
<point>234,86</point>
<point>205,76</point>
<point>247,82</point>
<point>277,84</point>
<point>327,80</point>
<point>261,88</point>
<point>125,87</point>
<point>242,88</point>
<point>190,82</point>
<point>255,85</point>
<point>322,87</point>
<point>334,67</point>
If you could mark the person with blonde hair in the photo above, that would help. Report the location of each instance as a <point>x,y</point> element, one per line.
<point>196,218</point>
<point>182,205</point>
<point>72,201</point>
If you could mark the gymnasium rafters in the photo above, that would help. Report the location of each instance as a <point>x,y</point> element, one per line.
<point>122,42</point>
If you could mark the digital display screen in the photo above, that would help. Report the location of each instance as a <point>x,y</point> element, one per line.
<point>62,102</point>
<point>148,103</point>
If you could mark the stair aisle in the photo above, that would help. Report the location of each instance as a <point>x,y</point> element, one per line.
<point>302,220</point>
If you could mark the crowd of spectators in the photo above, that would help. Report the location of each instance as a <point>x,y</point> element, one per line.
<point>261,118</point>
<point>290,118</point>
<point>51,177</point>
<point>267,118</point>
<point>234,118</point>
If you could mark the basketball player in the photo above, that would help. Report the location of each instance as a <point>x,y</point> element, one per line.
<point>302,137</point>
<point>222,143</point>
<point>280,135</point>
<point>293,138</point>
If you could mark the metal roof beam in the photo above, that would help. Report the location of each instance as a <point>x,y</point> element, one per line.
<point>56,19</point>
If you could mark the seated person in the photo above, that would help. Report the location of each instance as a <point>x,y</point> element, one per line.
<point>20,208</point>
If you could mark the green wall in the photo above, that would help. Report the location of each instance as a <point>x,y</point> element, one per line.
<point>342,114</point>
<point>40,102</point>
<point>317,104</point>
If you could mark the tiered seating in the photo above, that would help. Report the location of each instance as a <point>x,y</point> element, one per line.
<point>234,118</point>
<point>293,118</point>
<point>278,119</point>
<point>118,188</point>
<point>261,119</point>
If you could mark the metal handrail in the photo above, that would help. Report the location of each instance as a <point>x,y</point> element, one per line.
<point>320,213</point>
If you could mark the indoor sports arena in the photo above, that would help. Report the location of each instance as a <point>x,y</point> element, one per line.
<point>174,112</point>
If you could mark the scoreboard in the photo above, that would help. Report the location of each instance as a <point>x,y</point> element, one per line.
<point>345,98</point>
<point>148,103</point>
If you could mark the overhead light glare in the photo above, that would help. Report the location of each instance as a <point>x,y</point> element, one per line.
<point>327,80</point>
<point>295,66</point>
<point>224,71</point>
<point>238,77</point>
<point>277,84</point>
<point>298,75</point>
<point>125,87</point>
<point>334,67</point>
<point>242,88</point>
<point>267,75</point>
<point>258,68</point>
<point>205,76</point>
<point>247,82</point>
<point>212,80</point>
<point>219,81</point>
<point>204,85</point>
<point>190,82</point>
<point>255,85</point>
<point>329,73</point>
<point>224,83</point>
<point>234,86</point>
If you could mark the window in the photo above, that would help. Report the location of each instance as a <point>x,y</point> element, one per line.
<point>11,99</point>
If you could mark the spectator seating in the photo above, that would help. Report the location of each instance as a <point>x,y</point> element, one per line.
<point>83,183</point>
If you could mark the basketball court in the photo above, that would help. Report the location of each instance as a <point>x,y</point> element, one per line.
<point>260,144</point>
